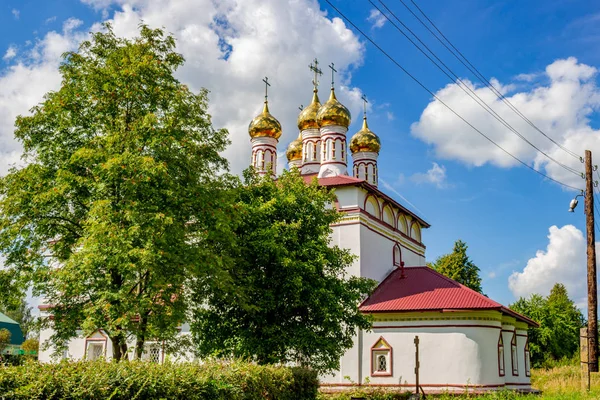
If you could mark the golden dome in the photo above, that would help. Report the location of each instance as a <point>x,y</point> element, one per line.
<point>308,117</point>
<point>333,113</point>
<point>294,150</point>
<point>265,125</point>
<point>365,140</point>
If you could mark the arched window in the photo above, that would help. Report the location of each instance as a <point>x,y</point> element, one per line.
<point>343,150</point>
<point>513,355</point>
<point>527,359</point>
<point>333,145</point>
<point>310,148</point>
<point>314,152</point>
<point>381,358</point>
<point>501,356</point>
<point>254,159</point>
<point>305,151</point>
<point>397,256</point>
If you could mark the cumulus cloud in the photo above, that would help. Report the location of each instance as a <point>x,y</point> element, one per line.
<point>562,108</point>
<point>436,175</point>
<point>564,261</point>
<point>376,18</point>
<point>229,47</point>
<point>11,52</point>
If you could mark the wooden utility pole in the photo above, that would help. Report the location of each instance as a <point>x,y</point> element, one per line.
<point>592,331</point>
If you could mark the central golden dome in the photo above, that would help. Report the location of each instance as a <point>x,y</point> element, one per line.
<point>333,113</point>
<point>294,150</point>
<point>265,125</point>
<point>365,140</point>
<point>308,117</point>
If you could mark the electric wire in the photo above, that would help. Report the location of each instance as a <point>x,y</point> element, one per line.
<point>462,85</point>
<point>478,74</point>
<point>441,101</point>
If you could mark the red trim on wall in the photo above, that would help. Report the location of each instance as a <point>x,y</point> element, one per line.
<point>432,326</point>
<point>434,385</point>
<point>333,162</point>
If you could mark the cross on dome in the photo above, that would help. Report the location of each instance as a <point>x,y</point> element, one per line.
<point>267,84</point>
<point>365,101</point>
<point>314,66</point>
<point>333,71</point>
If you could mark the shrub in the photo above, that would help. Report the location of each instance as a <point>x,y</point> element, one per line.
<point>141,380</point>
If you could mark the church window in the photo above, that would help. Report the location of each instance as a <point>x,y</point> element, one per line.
<point>333,149</point>
<point>95,351</point>
<point>381,358</point>
<point>305,151</point>
<point>513,355</point>
<point>310,147</point>
<point>397,256</point>
<point>152,353</point>
<point>262,160</point>
<point>254,159</point>
<point>500,355</point>
<point>314,151</point>
<point>367,173</point>
<point>375,175</point>
<point>527,359</point>
<point>343,151</point>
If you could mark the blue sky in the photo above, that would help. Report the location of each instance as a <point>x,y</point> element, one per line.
<point>544,53</point>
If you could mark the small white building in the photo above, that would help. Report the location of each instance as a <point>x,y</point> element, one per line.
<point>466,340</point>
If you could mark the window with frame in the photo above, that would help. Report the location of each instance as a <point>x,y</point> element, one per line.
<point>513,355</point>
<point>527,359</point>
<point>152,353</point>
<point>343,150</point>
<point>381,358</point>
<point>397,256</point>
<point>95,351</point>
<point>501,370</point>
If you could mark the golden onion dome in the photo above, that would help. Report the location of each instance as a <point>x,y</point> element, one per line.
<point>265,125</point>
<point>365,140</point>
<point>294,150</point>
<point>333,113</point>
<point>308,117</point>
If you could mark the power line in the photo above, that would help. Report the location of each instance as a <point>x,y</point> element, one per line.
<point>442,102</point>
<point>478,74</point>
<point>464,87</point>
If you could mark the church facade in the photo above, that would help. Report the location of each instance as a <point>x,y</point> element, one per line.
<point>465,340</point>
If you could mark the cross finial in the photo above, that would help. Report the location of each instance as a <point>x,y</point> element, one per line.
<point>315,68</point>
<point>364,99</point>
<point>301,107</point>
<point>333,71</point>
<point>267,84</point>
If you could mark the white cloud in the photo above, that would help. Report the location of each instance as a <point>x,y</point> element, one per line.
<point>23,84</point>
<point>563,261</point>
<point>562,109</point>
<point>11,52</point>
<point>436,175</point>
<point>229,47</point>
<point>377,19</point>
<point>50,20</point>
<point>390,116</point>
<point>16,13</point>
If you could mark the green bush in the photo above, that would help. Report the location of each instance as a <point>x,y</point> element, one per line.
<point>141,380</point>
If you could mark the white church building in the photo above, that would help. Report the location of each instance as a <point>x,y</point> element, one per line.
<point>466,340</point>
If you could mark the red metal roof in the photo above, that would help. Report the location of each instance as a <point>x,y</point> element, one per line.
<point>423,289</point>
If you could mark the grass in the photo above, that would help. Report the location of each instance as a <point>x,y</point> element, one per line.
<point>559,383</point>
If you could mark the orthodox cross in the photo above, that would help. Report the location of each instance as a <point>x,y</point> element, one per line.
<point>267,84</point>
<point>364,99</point>
<point>315,68</point>
<point>333,71</point>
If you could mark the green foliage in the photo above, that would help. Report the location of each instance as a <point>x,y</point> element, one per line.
<point>371,394</point>
<point>4,339</point>
<point>21,313</point>
<point>31,345</point>
<point>288,298</point>
<point>138,380</point>
<point>458,266</point>
<point>557,338</point>
<point>121,190</point>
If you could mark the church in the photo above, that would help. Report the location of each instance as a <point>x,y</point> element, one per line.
<point>466,341</point>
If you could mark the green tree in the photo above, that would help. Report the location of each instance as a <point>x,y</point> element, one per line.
<point>109,218</point>
<point>458,266</point>
<point>4,339</point>
<point>289,298</point>
<point>560,320</point>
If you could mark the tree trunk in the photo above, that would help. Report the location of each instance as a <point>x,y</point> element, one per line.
<point>119,347</point>
<point>141,337</point>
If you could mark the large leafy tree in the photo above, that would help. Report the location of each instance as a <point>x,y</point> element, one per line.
<point>458,266</point>
<point>109,218</point>
<point>288,298</point>
<point>560,321</point>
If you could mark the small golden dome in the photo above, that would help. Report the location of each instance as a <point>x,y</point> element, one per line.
<point>294,150</point>
<point>265,125</point>
<point>365,140</point>
<point>333,113</point>
<point>308,117</point>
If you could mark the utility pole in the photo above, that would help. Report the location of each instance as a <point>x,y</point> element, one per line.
<point>592,331</point>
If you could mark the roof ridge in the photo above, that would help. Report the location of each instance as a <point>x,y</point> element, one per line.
<point>481,296</point>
